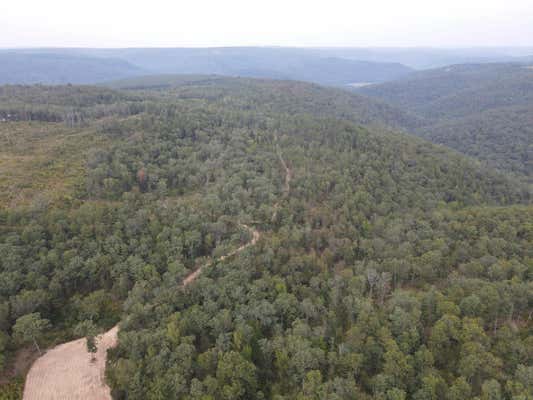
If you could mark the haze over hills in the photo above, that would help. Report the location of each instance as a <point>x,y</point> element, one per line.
<point>483,110</point>
<point>459,90</point>
<point>49,68</point>
<point>328,66</point>
<point>428,58</point>
<point>99,65</point>
<point>264,62</point>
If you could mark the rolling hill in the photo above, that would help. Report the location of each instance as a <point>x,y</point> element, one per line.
<point>276,63</point>
<point>274,95</point>
<point>376,265</point>
<point>98,65</point>
<point>421,58</point>
<point>52,68</point>
<point>482,110</point>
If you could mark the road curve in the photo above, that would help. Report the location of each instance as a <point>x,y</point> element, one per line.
<point>66,371</point>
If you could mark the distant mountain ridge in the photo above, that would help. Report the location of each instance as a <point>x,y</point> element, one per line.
<point>51,68</point>
<point>328,66</point>
<point>421,58</point>
<point>273,63</point>
<point>82,65</point>
<point>414,57</point>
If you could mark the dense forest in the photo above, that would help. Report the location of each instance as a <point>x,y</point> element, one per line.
<point>482,110</point>
<point>389,268</point>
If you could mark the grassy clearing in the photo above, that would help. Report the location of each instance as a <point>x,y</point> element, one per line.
<point>41,161</point>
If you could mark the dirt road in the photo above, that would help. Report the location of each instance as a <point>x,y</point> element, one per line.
<point>255,237</point>
<point>66,372</point>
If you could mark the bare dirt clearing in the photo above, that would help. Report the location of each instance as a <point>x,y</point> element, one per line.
<point>67,373</point>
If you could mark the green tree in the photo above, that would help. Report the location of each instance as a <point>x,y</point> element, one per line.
<point>491,390</point>
<point>89,330</point>
<point>236,377</point>
<point>30,327</point>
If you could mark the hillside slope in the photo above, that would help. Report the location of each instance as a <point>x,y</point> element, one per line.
<point>480,110</point>
<point>290,97</point>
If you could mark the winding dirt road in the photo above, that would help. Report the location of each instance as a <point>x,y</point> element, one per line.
<point>255,237</point>
<point>66,372</point>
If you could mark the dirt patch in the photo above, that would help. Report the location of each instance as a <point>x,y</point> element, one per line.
<point>67,373</point>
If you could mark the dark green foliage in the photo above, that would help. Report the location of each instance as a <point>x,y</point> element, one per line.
<point>74,105</point>
<point>12,390</point>
<point>30,328</point>
<point>392,269</point>
<point>501,137</point>
<point>482,110</point>
<point>286,97</point>
<point>88,330</point>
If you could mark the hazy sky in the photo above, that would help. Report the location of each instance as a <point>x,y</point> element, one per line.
<point>121,23</point>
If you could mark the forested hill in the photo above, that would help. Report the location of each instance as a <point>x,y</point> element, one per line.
<point>483,110</point>
<point>275,96</point>
<point>391,268</point>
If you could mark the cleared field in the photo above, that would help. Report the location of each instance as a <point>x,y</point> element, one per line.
<point>41,161</point>
<point>67,373</point>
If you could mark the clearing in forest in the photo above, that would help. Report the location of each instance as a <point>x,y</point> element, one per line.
<point>67,373</point>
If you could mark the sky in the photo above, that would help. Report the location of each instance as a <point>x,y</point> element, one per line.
<point>203,23</point>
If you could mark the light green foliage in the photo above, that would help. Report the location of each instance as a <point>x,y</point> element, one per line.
<point>30,327</point>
